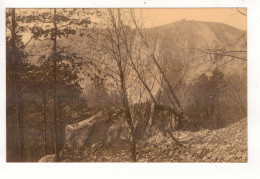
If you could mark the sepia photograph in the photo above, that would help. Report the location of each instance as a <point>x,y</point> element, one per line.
<point>146,85</point>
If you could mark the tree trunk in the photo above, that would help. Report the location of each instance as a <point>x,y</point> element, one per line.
<point>61,123</point>
<point>130,124</point>
<point>219,122</point>
<point>151,115</point>
<point>44,123</point>
<point>55,123</point>
<point>20,125</point>
<point>18,92</point>
<point>128,113</point>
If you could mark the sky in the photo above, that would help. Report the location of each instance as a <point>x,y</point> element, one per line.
<point>230,16</point>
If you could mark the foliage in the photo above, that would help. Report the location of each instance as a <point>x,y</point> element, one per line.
<point>30,85</point>
<point>210,105</point>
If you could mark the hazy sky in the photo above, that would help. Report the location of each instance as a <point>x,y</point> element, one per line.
<point>160,16</point>
<point>230,16</point>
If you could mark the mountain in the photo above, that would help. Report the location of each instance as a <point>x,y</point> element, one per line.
<point>178,46</point>
<point>182,43</point>
<point>196,33</point>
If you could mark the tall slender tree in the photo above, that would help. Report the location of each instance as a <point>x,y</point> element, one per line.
<point>58,24</point>
<point>17,66</point>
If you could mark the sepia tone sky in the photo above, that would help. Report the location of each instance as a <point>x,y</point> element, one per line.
<point>157,17</point>
<point>160,16</point>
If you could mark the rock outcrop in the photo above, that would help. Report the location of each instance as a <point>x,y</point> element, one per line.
<point>107,126</point>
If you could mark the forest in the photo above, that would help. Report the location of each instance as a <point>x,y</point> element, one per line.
<point>96,85</point>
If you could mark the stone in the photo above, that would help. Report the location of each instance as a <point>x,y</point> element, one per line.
<point>171,153</point>
<point>200,152</point>
<point>228,158</point>
<point>48,158</point>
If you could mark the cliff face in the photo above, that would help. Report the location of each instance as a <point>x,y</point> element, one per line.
<point>181,44</point>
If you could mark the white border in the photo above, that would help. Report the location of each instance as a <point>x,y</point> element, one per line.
<point>151,170</point>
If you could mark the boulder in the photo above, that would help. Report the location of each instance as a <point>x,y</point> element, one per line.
<point>48,158</point>
<point>108,126</point>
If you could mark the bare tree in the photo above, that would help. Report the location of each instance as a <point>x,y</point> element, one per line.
<point>176,105</point>
<point>117,67</point>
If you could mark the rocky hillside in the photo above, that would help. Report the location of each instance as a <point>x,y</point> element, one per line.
<point>223,145</point>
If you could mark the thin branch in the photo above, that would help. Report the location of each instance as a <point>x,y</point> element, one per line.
<point>241,12</point>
